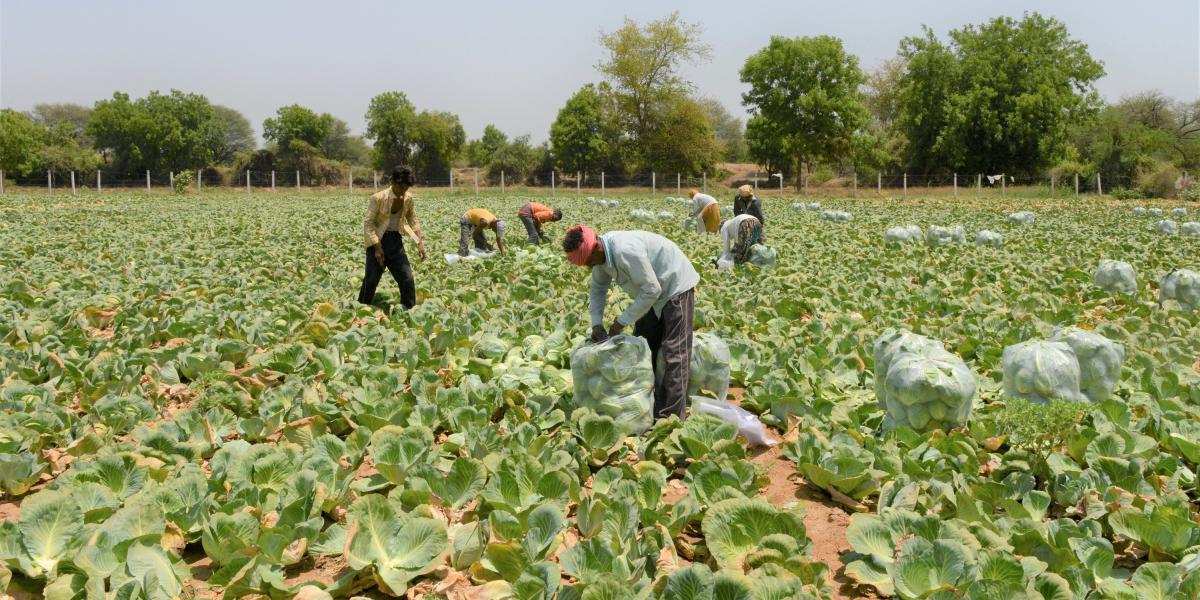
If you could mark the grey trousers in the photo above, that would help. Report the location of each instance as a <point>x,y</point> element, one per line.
<point>467,231</point>
<point>533,228</point>
<point>670,334</point>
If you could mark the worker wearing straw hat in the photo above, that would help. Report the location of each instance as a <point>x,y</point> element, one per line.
<point>747,203</point>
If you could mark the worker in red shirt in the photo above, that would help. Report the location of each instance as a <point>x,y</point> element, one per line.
<point>533,215</point>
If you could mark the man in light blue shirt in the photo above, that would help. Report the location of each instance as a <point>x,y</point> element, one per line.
<point>661,280</point>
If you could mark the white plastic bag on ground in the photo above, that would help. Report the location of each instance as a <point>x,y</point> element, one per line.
<point>942,236</point>
<point>1022,218</point>
<point>747,424</point>
<point>904,234</point>
<point>1116,277</point>
<point>1165,227</point>
<point>988,238</point>
<point>473,254</point>
<point>1099,359</point>
<point>724,263</point>
<point>1039,371</point>
<point>1182,286</point>
<point>615,379</point>
<point>1190,229</point>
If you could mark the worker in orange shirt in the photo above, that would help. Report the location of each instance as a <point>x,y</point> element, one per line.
<point>533,215</point>
<point>471,227</point>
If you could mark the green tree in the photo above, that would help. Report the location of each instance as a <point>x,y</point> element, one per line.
<point>390,121</point>
<point>20,140</point>
<point>578,136</point>
<point>1000,97</point>
<point>682,140</point>
<point>731,135</point>
<point>642,66</point>
<point>438,139</point>
<point>296,123</point>
<point>481,151</point>
<point>71,119</point>
<point>234,134</point>
<point>517,159</point>
<point>804,99</point>
<point>160,132</point>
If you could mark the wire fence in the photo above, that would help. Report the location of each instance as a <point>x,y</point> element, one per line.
<point>476,181</point>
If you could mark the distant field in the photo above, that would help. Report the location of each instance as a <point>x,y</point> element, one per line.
<point>192,402</point>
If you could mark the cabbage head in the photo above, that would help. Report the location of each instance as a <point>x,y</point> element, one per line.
<point>988,238</point>
<point>1190,229</point>
<point>1039,371</point>
<point>1116,277</point>
<point>491,346</point>
<point>1099,359</point>
<point>1182,286</point>
<point>615,379</point>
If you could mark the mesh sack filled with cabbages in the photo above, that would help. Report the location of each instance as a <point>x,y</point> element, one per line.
<point>1139,211</point>
<point>902,235</point>
<point>615,378</point>
<point>1099,360</point>
<point>1182,286</point>
<point>930,391</point>
<point>1165,227</point>
<point>709,369</point>
<point>919,384</point>
<point>988,238</point>
<point>1116,277</point>
<point>888,346</point>
<point>1022,218</point>
<point>1039,371</point>
<point>1179,211</point>
<point>941,236</point>
<point>762,256</point>
<point>1190,229</point>
<point>689,224</point>
<point>1156,212</point>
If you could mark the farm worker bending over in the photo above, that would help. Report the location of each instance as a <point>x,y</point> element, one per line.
<point>746,203</point>
<point>706,211</point>
<point>533,215</point>
<point>389,215</point>
<point>472,225</point>
<point>661,280</point>
<point>739,234</point>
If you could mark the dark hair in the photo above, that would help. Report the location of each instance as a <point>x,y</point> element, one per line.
<point>573,240</point>
<point>403,174</point>
<point>558,214</point>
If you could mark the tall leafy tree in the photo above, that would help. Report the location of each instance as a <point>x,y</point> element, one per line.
<point>20,140</point>
<point>730,132</point>
<point>999,97</point>
<point>579,134</point>
<point>160,132</point>
<point>681,140</point>
<point>295,123</point>
<point>70,119</point>
<point>804,99</point>
<point>480,152</point>
<point>390,122</point>
<point>642,66</point>
<point>234,134</point>
<point>438,139</point>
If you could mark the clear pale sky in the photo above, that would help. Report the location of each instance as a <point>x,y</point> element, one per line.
<point>509,63</point>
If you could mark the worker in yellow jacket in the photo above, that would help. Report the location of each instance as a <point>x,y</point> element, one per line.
<point>473,224</point>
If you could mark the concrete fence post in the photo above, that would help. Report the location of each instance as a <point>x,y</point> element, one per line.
<point>501,182</point>
<point>199,181</point>
<point>551,183</point>
<point>147,180</point>
<point>350,178</point>
<point>1099,186</point>
<point>879,184</point>
<point>602,185</point>
<point>1052,178</point>
<point>451,181</point>
<point>97,181</point>
<point>956,185</point>
<point>653,182</point>
<point>678,185</point>
<point>856,184</point>
<point>297,180</point>
<point>906,185</point>
<point>1,181</point>
<point>1004,185</point>
<point>73,182</point>
<point>247,182</point>
<point>978,184</point>
<point>49,180</point>
<point>704,181</point>
<point>272,182</point>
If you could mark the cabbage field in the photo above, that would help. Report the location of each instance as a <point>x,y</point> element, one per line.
<point>193,405</point>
